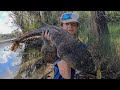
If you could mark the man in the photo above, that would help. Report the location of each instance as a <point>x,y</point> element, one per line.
<point>69,22</point>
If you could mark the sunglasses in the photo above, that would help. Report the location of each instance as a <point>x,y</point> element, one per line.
<point>69,16</point>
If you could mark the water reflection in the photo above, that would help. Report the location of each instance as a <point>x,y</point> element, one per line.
<point>9,61</point>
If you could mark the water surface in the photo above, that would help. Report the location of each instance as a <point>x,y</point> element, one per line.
<point>9,61</point>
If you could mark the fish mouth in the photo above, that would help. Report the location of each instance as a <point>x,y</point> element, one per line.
<point>15,44</point>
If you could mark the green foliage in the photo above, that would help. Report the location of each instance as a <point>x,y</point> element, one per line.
<point>113,16</point>
<point>114,30</point>
<point>84,27</point>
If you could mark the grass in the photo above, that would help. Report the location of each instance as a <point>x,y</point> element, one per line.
<point>114,30</point>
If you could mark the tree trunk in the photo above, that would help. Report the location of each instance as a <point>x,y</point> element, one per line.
<point>98,30</point>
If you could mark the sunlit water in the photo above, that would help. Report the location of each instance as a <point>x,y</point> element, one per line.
<point>9,61</point>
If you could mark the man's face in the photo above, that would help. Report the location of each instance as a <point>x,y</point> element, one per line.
<point>70,27</point>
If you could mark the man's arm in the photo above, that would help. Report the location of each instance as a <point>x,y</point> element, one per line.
<point>65,69</point>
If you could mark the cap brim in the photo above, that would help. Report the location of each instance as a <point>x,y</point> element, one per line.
<point>70,20</point>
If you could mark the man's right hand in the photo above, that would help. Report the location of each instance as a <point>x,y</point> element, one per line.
<point>47,35</point>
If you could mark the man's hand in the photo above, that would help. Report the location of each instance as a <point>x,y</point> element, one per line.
<point>47,35</point>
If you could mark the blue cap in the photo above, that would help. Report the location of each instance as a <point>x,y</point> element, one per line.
<point>69,17</point>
